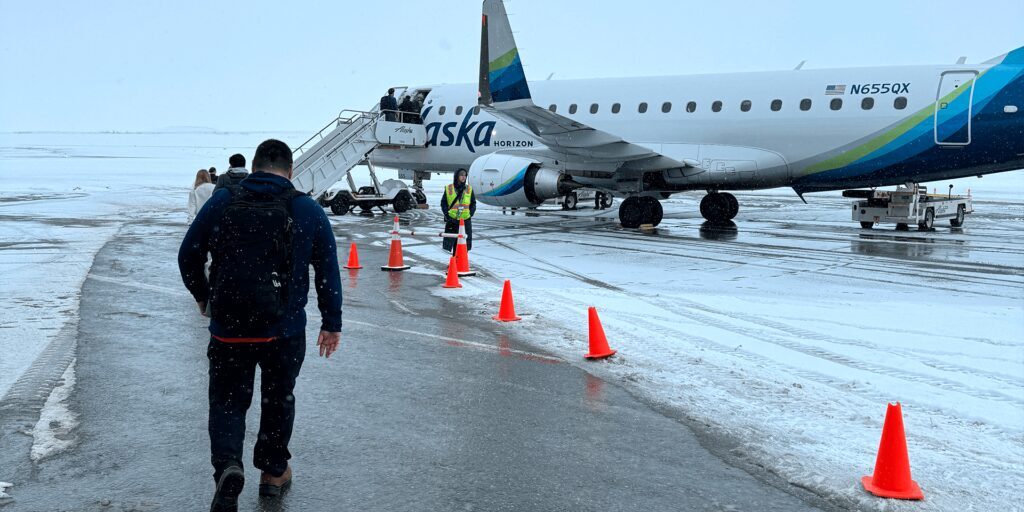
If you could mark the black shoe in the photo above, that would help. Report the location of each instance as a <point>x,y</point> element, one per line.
<point>229,486</point>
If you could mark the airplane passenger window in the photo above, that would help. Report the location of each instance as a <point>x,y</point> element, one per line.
<point>572,108</point>
<point>776,105</point>
<point>691,107</point>
<point>553,108</point>
<point>836,104</point>
<point>716,106</point>
<point>458,110</point>
<point>900,103</point>
<point>805,104</point>
<point>441,110</point>
<point>616,108</point>
<point>745,105</point>
<point>593,108</point>
<point>642,108</point>
<point>867,103</point>
<point>666,107</point>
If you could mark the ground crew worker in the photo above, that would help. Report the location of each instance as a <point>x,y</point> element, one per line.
<point>458,203</point>
<point>262,235</point>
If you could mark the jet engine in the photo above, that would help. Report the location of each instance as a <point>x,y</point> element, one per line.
<point>516,181</point>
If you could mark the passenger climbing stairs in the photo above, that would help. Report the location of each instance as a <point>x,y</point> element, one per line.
<point>330,154</point>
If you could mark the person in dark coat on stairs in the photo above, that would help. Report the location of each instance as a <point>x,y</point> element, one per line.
<point>458,202</point>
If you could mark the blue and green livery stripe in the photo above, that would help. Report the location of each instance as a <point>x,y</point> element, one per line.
<point>513,184</point>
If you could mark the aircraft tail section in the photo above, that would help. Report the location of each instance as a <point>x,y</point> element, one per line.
<point>502,79</point>
<point>1013,58</point>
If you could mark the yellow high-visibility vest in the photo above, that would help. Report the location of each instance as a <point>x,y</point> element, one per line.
<point>458,211</point>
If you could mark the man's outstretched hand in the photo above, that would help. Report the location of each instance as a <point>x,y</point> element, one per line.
<point>328,342</point>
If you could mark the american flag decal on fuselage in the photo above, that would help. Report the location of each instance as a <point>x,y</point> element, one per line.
<point>835,90</point>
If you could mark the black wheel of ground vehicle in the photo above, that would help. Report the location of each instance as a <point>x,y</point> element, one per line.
<point>902,227</point>
<point>714,207</point>
<point>402,202</point>
<point>602,201</point>
<point>420,197</point>
<point>961,214</point>
<point>630,213</point>
<point>571,201</point>
<point>866,224</point>
<point>340,205</point>
<point>929,220</point>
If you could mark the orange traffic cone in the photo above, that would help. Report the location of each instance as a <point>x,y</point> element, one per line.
<point>462,252</point>
<point>507,311</point>
<point>453,275</point>
<point>395,262</point>
<point>599,348</point>
<point>892,467</point>
<point>353,258</point>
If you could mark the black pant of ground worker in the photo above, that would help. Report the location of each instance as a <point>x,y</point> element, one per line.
<point>232,370</point>
<point>452,226</point>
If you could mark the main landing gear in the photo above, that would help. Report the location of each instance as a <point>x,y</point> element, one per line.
<point>719,207</point>
<point>635,211</point>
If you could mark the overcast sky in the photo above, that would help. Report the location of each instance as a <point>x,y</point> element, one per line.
<point>274,66</point>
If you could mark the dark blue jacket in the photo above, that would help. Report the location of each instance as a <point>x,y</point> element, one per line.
<point>313,245</point>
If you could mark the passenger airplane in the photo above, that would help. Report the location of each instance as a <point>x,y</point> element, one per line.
<point>645,139</point>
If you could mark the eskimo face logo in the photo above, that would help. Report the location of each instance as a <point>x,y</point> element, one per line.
<point>455,134</point>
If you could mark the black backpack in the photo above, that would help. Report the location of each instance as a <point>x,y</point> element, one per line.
<point>252,262</point>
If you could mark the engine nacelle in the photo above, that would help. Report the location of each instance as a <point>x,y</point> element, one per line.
<point>515,181</point>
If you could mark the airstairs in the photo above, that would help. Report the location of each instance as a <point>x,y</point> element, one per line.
<point>330,155</point>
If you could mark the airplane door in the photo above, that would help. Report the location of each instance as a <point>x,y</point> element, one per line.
<point>953,105</point>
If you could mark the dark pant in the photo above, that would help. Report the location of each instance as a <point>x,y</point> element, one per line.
<point>232,370</point>
<point>452,226</point>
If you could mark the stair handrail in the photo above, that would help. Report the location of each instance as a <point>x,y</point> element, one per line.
<point>354,116</point>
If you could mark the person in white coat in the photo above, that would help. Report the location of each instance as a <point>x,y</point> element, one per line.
<point>202,189</point>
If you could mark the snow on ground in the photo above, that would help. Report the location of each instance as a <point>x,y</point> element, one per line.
<point>52,433</point>
<point>792,331</point>
<point>788,333</point>
<point>3,488</point>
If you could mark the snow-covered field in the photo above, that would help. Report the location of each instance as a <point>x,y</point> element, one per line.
<point>787,334</point>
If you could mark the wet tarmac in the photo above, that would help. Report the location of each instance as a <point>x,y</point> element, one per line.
<point>428,405</point>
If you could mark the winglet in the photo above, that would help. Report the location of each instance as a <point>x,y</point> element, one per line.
<point>502,79</point>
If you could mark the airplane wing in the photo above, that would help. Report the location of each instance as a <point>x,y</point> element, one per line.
<point>505,94</point>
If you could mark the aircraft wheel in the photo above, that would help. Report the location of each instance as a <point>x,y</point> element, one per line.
<point>402,202</point>
<point>714,207</point>
<point>652,211</point>
<point>606,201</point>
<point>734,205</point>
<point>630,213</point>
<point>866,224</point>
<point>902,227</point>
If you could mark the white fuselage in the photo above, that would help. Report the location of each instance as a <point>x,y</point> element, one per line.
<point>775,137</point>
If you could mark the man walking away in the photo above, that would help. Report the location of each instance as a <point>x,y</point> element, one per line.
<point>236,173</point>
<point>389,106</point>
<point>263,240</point>
<point>458,203</point>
